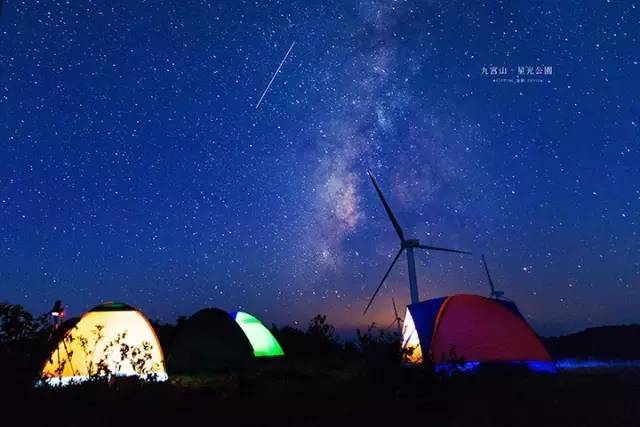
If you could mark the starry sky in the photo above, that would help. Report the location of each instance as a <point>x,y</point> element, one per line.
<point>137,168</point>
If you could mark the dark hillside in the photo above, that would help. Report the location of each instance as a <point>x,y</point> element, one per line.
<point>604,342</point>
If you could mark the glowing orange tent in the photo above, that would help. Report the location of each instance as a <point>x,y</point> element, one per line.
<point>111,339</point>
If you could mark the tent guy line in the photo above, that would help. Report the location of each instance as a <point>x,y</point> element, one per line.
<point>274,75</point>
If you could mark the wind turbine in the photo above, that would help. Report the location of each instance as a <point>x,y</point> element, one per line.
<point>494,294</point>
<point>397,319</point>
<point>405,245</point>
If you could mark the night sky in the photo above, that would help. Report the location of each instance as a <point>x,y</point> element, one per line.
<point>136,167</point>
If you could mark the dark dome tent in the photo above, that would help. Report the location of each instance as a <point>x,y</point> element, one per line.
<point>471,330</point>
<point>209,341</point>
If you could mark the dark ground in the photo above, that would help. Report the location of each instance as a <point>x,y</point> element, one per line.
<point>322,382</point>
<point>297,395</point>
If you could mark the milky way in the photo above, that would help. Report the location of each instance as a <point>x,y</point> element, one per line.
<point>137,168</point>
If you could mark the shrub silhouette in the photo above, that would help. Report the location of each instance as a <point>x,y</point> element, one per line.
<point>18,325</point>
<point>23,339</point>
<point>317,342</point>
<point>379,346</point>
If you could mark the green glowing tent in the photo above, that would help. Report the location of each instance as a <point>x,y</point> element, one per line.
<point>262,340</point>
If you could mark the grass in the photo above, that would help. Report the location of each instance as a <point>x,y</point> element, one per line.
<point>304,393</point>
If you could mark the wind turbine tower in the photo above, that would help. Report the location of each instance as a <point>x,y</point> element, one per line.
<point>408,245</point>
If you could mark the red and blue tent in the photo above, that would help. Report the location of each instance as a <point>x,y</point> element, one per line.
<point>467,330</point>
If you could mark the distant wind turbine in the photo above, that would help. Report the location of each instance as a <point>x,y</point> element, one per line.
<point>493,294</point>
<point>397,319</point>
<point>405,245</point>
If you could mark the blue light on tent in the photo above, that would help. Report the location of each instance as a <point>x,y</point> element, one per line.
<point>468,367</point>
<point>451,368</point>
<point>569,364</point>
<point>541,367</point>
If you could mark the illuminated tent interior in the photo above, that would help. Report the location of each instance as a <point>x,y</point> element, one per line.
<point>95,347</point>
<point>470,330</point>
<point>209,341</point>
<point>262,341</point>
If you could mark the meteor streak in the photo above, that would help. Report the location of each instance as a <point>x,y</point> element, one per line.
<point>274,75</point>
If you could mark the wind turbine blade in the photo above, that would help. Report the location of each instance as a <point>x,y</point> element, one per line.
<point>387,208</point>
<point>436,248</point>
<point>382,281</point>
<point>488,275</point>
